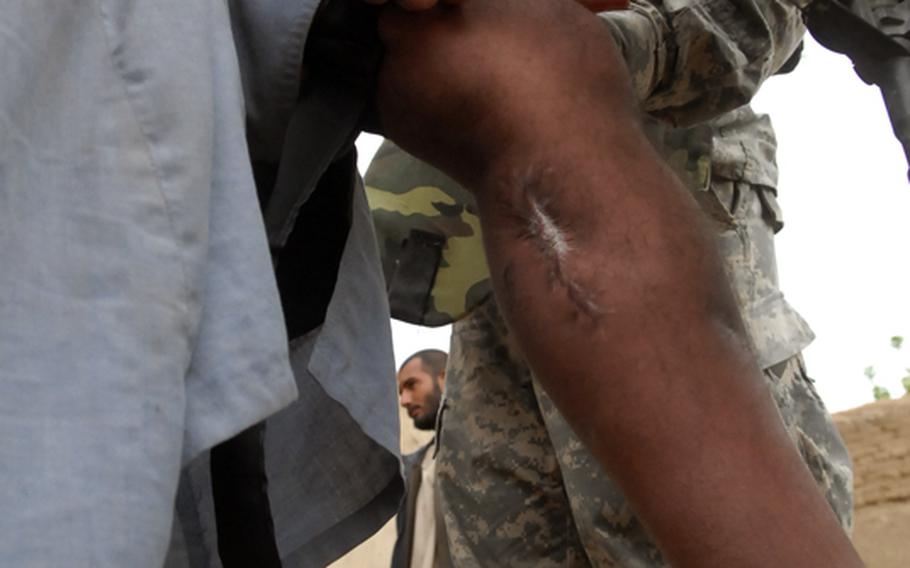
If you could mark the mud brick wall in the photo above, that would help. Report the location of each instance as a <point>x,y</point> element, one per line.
<point>878,436</point>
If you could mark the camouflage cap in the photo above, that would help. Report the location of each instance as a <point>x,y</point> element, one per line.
<point>430,242</point>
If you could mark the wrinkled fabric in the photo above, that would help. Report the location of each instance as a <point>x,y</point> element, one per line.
<point>775,328</point>
<point>692,60</point>
<point>331,456</point>
<point>139,318</point>
<point>133,255</point>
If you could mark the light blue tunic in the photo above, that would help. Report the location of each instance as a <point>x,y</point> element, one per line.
<point>139,318</point>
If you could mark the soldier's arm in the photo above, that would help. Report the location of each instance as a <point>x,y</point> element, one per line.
<point>606,276</point>
<point>692,60</point>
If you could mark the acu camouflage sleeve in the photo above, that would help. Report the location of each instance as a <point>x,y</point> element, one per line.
<point>692,60</point>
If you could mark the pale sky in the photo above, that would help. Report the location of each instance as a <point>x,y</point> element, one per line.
<point>843,252</point>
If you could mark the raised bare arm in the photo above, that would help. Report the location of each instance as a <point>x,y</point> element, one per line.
<point>599,255</point>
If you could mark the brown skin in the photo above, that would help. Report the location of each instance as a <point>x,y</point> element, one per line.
<point>417,5</point>
<point>598,254</point>
<point>419,392</point>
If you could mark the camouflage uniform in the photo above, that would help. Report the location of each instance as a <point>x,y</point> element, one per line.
<point>518,488</point>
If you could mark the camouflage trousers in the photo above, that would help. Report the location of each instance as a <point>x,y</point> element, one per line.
<point>519,489</point>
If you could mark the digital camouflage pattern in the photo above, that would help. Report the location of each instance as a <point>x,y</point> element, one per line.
<point>501,488</point>
<point>776,330</point>
<point>693,60</point>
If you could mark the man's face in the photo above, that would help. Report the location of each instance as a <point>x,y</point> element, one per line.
<point>419,393</point>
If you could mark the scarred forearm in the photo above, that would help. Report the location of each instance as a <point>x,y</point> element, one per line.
<point>606,276</point>
<point>619,302</point>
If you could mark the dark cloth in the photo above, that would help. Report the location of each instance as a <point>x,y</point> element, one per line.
<point>331,458</point>
<point>330,487</point>
<point>412,465</point>
<point>401,554</point>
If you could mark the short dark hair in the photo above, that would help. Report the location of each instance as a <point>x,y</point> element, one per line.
<point>432,360</point>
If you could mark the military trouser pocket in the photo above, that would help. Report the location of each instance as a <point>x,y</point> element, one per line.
<point>777,371</point>
<point>738,202</point>
<point>719,202</point>
<point>813,433</point>
<point>791,385</point>
<point>793,366</point>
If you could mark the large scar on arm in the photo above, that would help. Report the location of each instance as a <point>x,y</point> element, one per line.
<point>555,244</point>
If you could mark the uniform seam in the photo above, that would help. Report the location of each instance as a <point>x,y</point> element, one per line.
<point>150,156</point>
